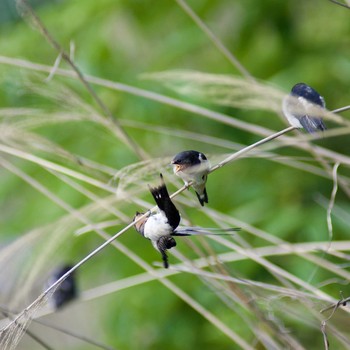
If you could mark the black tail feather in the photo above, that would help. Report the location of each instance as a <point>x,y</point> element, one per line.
<point>202,198</point>
<point>164,203</point>
<point>165,259</point>
<point>163,244</point>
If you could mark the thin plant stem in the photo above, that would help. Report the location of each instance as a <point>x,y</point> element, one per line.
<point>66,57</point>
<point>119,233</point>
<point>214,39</point>
<point>250,147</point>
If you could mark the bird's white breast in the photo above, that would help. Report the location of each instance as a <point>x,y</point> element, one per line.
<point>290,107</point>
<point>157,226</point>
<point>195,173</point>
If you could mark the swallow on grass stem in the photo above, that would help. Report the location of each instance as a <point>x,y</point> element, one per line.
<point>67,290</point>
<point>303,107</point>
<point>161,227</point>
<point>192,166</point>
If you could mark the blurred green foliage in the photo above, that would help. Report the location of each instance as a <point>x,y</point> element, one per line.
<point>281,42</point>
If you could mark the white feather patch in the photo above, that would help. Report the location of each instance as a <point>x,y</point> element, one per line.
<point>157,226</point>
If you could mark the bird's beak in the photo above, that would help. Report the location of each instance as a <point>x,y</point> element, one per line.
<point>177,167</point>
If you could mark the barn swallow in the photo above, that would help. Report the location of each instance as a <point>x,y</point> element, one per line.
<point>66,291</point>
<point>301,106</point>
<point>193,166</point>
<point>161,228</point>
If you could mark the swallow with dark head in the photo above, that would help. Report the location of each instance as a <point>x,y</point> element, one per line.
<point>192,166</point>
<point>161,227</point>
<point>302,108</point>
<point>67,290</point>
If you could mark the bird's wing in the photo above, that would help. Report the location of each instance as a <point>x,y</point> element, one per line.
<point>164,203</point>
<point>194,230</point>
<point>311,124</point>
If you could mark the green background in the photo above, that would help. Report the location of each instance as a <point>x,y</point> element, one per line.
<point>279,43</point>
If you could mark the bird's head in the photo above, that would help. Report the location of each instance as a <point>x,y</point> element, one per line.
<point>139,223</point>
<point>187,159</point>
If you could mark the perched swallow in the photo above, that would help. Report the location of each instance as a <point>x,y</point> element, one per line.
<point>193,166</point>
<point>160,228</point>
<point>301,108</point>
<point>66,291</point>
